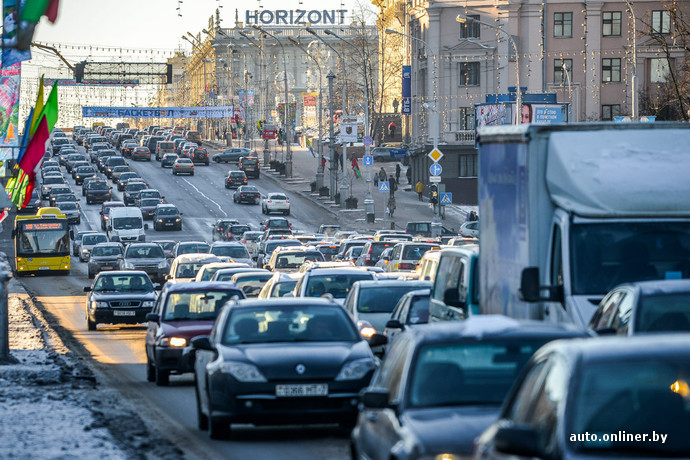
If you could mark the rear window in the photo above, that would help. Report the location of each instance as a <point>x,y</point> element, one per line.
<point>337,285</point>
<point>381,299</point>
<point>197,305</point>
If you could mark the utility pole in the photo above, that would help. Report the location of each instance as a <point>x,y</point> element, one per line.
<point>331,144</point>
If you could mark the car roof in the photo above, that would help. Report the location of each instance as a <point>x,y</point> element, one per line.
<point>338,270</point>
<point>196,257</point>
<point>285,301</point>
<point>386,283</point>
<point>201,286</point>
<point>247,274</point>
<point>121,273</point>
<point>657,287</point>
<point>225,243</point>
<point>181,243</point>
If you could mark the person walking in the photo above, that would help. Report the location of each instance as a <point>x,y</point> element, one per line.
<point>391,205</point>
<point>419,188</point>
<point>382,175</point>
<point>408,173</point>
<point>397,173</point>
<point>393,184</point>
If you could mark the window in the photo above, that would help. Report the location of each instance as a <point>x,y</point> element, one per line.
<point>563,24</point>
<point>561,75</point>
<point>611,23</point>
<point>466,118</point>
<point>659,70</point>
<point>470,29</point>
<point>467,165</point>
<point>469,73</point>
<point>611,70</point>
<point>608,112</point>
<point>661,22</point>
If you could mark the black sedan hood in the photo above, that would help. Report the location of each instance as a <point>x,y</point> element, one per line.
<point>279,361</point>
<point>107,296</point>
<point>449,429</point>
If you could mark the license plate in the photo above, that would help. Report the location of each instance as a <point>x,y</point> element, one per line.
<point>169,224</point>
<point>123,313</point>
<point>293,391</point>
<point>44,268</point>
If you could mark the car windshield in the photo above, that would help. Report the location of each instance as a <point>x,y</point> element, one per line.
<point>238,229</point>
<point>166,245</point>
<point>414,251</point>
<point>469,372</point>
<point>145,252</point>
<point>53,180</point>
<point>189,270</point>
<point>295,260</point>
<point>106,251</point>
<point>127,223</point>
<point>123,283</point>
<point>283,287</point>
<point>236,252</point>
<point>381,299</point>
<point>166,211</point>
<point>91,240</point>
<point>664,313</point>
<point>278,223</point>
<point>150,202</point>
<point>277,197</point>
<point>249,189</point>
<point>608,254</point>
<point>338,285</point>
<point>629,397</point>
<point>135,187</point>
<point>192,248</point>
<point>251,286</point>
<point>197,305</point>
<point>68,206</point>
<point>98,185</point>
<point>288,323</point>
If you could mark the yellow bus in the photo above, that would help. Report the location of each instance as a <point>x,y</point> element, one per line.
<point>42,243</point>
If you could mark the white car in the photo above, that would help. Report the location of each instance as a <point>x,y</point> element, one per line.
<point>275,202</point>
<point>470,229</point>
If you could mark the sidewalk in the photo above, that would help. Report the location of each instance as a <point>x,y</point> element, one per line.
<point>408,207</point>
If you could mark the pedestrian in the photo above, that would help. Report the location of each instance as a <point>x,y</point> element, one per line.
<point>397,172</point>
<point>217,133</point>
<point>408,173</point>
<point>391,205</point>
<point>391,129</point>
<point>473,216</point>
<point>393,184</point>
<point>419,188</point>
<point>382,175</point>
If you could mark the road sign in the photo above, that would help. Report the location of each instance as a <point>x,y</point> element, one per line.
<point>434,178</point>
<point>446,198</point>
<point>436,155</point>
<point>368,160</point>
<point>367,140</point>
<point>435,169</point>
<point>384,186</point>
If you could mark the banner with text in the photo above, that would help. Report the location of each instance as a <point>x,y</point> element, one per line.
<point>10,79</point>
<point>406,90</point>
<point>158,112</point>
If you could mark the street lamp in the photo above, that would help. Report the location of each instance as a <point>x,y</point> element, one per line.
<point>319,169</point>
<point>518,93</point>
<point>634,75</point>
<point>288,151</point>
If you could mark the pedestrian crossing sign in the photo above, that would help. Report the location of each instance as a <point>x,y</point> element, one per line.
<point>446,198</point>
<point>384,186</point>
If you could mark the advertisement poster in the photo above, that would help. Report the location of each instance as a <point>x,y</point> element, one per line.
<point>159,112</point>
<point>9,114</point>
<point>348,129</point>
<point>292,109</point>
<point>10,34</point>
<point>406,108</point>
<point>547,114</point>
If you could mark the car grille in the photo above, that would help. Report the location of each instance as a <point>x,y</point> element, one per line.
<point>128,238</point>
<point>125,303</point>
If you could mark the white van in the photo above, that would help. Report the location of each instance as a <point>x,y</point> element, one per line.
<point>126,225</point>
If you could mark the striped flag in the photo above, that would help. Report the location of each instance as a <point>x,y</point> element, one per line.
<point>355,168</point>
<point>310,148</point>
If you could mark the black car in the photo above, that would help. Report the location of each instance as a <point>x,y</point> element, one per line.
<point>607,397</point>
<point>184,311</point>
<point>104,256</point>
<point>70,196</point>
<point>33,204</point>
<point>220,228</point>
<point>167,217</point>
<point>443,384</point>
<point>247,194</point>
<point>98,192</point>
<point>131,191</point>
<point>168,160</point>
<point>124,177</point>
<point>82,172</point>
<point>199,155</point>
<point>119,297</point>
<point>232,155</point>
<point>235,179</point>
<point>280,361</point>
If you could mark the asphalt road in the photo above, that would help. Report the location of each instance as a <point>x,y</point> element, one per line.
<point>118,352</point>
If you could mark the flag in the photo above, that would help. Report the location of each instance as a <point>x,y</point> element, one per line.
<point>355,168</point>
<point>52,10</point>
<point>38,107</point>
<point>310,147</point>
<point>25,136</point>
<point>36,149</point>
<point>32,10</point>
<point>16,187</point>
<point>50,110</point>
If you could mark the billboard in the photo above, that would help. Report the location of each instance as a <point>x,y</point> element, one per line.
<point>158,112</point>
<point>9,111</point>
<point>406,90</point>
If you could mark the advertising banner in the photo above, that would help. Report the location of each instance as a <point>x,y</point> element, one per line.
<point>547,114</point>
<point>269,132</point>
<point>406,108</point>
<point>9,111</point>
<point>158,112</point>
<point>12,28</point>
<point>348,129</point>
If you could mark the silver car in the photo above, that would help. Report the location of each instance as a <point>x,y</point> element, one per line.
<point>105,256</point>
<point>148,257</point>
<point>71,210</point>
<point>183,166</point>
<point>88,242</point>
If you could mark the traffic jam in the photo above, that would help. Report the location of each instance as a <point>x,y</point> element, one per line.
<point>566,336</point>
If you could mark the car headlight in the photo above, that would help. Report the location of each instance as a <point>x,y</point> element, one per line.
<point>172,342</point>
<point>95,304</point>
<point>160,220</point>
<point>128,266</point>
<point>163,264</point>
<point>84,251</point>
<point>355,370</point>
<point>148,303</point>
<point>243,372</point>
<point>365,328</point>
<point>177,220</point>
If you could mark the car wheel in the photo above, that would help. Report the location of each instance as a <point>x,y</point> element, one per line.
<point>91,325</point>
<point>91,274</point>
<point>287,213</point>
<point>162,377</point>
<point>150,371</point>
<point>227,185</point>
<point>88,201</point>
<point>207,163</point>
<point>79,221</point>
<point>218,428</point>
<point>201,418</point>
<point>192,174</point>
<point>174,173</point>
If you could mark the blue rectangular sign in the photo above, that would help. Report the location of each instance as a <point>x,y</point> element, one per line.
<point>159,112</point>
<point>406,108</point>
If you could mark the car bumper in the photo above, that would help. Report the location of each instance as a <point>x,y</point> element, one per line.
<point>98,198</point>
<point>120,316</point>
<point>173,360</point>
<point>104,266</point>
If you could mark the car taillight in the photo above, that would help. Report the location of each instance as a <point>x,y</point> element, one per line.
<point>402,266</point>
<point>270,201</point>
<point>287,201</point>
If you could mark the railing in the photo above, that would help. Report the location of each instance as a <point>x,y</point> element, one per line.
<point>465,136</point>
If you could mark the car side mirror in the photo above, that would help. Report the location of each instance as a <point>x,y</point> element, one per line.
<point>529,284</point>
<point>202,342</point>
<point>157,286</point>
<point>87,288</point>
<point>71,234</point>
<point>374,397</point>
<point>267,267</point>
<point>182,214</point>
<point>606,331</point>
<point>518,441</point>
<point>146,226</point>
<point>395,324</point>
<point>377,340</point>
<point>152,317</point>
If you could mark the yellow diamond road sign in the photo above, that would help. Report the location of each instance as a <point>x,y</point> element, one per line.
<point>436,155</point>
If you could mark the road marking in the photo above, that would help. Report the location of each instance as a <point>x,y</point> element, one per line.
<point>225,214</point>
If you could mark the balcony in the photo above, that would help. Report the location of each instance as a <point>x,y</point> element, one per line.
<point>465,137</point>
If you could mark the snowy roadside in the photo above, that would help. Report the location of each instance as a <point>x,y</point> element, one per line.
<point>51,405</point>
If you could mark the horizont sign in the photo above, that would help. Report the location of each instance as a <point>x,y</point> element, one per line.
<point>278,17</point>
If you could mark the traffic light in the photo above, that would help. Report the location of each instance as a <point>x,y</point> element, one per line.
<point>434,194</point>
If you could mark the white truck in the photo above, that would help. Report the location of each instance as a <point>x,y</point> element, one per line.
<point>569,211</point>
<point>126,225</point>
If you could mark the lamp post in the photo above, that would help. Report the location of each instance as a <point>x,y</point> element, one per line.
<point>331,144</point>
<point>288,162</point>
<point>518,93</point>
<point>570,92</point>
<point>634,75</point>
<point>319,169</point>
